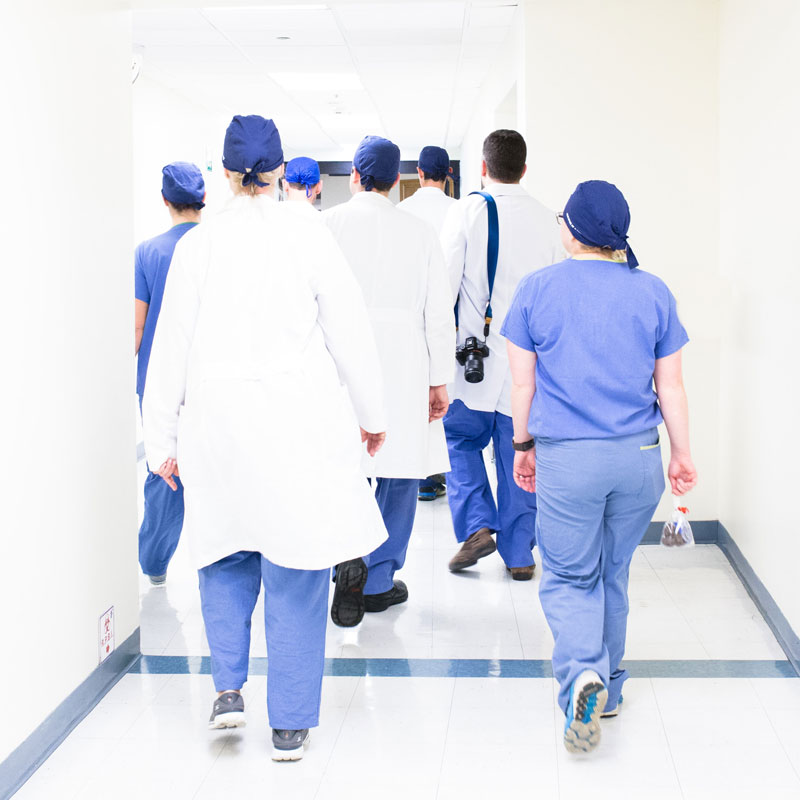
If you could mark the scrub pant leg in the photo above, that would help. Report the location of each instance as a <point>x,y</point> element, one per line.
<point>397,500</point>
<point>468,491</point>
<point>161,525</point>
<point>596,498</point>
<point>516,508</point>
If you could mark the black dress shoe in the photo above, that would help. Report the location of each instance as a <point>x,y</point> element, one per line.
<point>380,602</point>
<point>347,608</point>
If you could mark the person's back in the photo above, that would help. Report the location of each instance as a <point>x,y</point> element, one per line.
<point>430,202</point>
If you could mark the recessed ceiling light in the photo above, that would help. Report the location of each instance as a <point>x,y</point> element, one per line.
<point>283,38</point>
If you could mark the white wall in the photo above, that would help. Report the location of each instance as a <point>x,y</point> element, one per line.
<point>68,476</point>
<point>760,173</point>
<point>627,91</point>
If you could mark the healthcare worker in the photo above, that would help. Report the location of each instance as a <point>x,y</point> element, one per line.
<point>481,411</point>
<point>431,203</point>
<point>183,192</point>
<point>397,260</point>
<point>263,367</point>
<point>587,339</point>
<point>302,183</point>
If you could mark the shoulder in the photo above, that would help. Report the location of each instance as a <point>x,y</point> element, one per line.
<point>652,283</point>
<point>539,278</point>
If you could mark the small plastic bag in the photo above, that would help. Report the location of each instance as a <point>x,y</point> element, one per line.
<point>677,532</point>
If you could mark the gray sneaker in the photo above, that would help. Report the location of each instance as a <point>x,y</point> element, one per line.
<point>228,712</point>
<point>289,745</point>
<point>158,580</point>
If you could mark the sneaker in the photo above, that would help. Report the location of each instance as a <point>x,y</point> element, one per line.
<point>228,711</point>
<point>289,745</point>
<point>380,602</point>
<point>612,712</point>
<point>347,608</point>
<point>587,700</point>
<point>157,580</point>
<point>522,573</point>
<point>435,488</point>
<point>478,545</point>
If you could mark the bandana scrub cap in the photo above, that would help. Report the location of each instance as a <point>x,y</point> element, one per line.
<point>182,184</point>
<point>377,159</point>
<point>434,161</point>
<point>303,170</point>
<point>597,214</point>
<point>252,145</point>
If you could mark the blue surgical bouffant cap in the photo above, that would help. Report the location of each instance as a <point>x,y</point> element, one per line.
<point>303,170</point>
<point>377,159</point>
<point>597,214</point>
<point>434,161</point>
<point>182,184</point>
<point>252,145</point>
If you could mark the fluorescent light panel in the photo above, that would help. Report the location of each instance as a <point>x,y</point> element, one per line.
<point>318,81</point>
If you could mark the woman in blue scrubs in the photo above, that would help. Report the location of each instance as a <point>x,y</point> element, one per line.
<point>588,339</point>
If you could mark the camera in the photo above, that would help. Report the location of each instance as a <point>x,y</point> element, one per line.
<point>470,355</point>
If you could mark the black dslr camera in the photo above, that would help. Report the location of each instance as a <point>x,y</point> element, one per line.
<point>470,355</point>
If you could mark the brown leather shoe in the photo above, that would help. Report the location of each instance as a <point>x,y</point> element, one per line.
<point>522,573</point>
<point>478,545</point>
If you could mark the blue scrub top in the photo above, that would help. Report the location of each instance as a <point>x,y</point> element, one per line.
<point>597,328</point>
<point>153,258</point>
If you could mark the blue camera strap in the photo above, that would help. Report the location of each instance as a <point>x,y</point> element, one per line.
<point>492,248</point>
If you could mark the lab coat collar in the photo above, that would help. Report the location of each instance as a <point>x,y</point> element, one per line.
<point>370,197</point>
<point>498,189</point>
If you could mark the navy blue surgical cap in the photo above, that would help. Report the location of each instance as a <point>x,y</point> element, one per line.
<point>377,159</point>
<point>303,170</point>
<point>182,184</point>
<point>434,161</point>
<point>597,214</point>
<point>252,145</point>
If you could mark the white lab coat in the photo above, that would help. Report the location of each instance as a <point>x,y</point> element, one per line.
<point>397,260</point>
<point>529,240</point>
<point>261,324</point>
<point>429,203</point>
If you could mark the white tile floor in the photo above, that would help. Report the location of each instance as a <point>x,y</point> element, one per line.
<point>441,738</point>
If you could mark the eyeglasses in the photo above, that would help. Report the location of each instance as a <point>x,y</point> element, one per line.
<point>559,218</point>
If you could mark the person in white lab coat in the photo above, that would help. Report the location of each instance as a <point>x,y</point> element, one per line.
<point>397,260</point>
<point>303,184</point>
<point>263,367</point>
<point>481,411</point>
<point>431,203</point>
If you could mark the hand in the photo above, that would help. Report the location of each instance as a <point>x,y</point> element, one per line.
<point>167,470</point>
<point>438,402</point>
<point>374,441</point>
<point>525,470</point>
<point>682,474</point>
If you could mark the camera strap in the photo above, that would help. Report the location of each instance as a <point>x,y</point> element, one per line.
<point>492,248</point>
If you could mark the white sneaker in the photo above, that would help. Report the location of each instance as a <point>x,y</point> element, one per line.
<point>227,712</point>
<point>289,745</point>
<point>587,700</point>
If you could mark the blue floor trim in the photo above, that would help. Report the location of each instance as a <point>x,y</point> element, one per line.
<point>36,749</point>
<point>478,667</point>
<point>705,531</point>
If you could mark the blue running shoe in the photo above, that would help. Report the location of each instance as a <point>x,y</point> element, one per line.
<point>587,700</point>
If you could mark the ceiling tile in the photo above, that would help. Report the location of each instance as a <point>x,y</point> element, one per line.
<point>492,16</point>
<point>256,19</point>
<point>401,54</point>
<point>372,16</point>
<point>299,59</point>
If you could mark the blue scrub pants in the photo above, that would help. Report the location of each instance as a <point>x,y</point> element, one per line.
<point>596,499</point>
<point>397,500</point>
<point>295,617</point>
<point>469,493</point>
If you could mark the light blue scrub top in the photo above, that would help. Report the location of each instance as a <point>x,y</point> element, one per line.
<point>597,328</point>
<point>152,260</point>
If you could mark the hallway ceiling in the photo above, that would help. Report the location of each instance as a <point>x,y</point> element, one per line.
<point>331,73</point>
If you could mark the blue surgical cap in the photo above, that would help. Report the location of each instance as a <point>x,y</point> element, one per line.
<point>377,159</point>
<point>434,161</point>
<point>303,170</point>
<point>252,145</point>
<point>182,184</point>
<point>597,214</point>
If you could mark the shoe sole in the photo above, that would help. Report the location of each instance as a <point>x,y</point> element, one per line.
<point>521,577</point>
<point>230,719</point>
<point>347,608</point>
<point>486,551</point>
<point>291,755</point>
<point>582,737</point>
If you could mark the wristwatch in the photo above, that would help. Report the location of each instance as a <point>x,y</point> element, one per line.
<point>521,447</point>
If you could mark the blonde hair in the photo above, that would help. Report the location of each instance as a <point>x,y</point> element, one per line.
<point>252,188</point>
<point>606,252</point>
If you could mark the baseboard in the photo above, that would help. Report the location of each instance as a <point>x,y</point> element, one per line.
<point>705,531</point>
<point>34,751</point>
<point>773,616</point>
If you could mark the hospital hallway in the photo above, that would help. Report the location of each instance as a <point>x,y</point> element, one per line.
<point>449,696</point>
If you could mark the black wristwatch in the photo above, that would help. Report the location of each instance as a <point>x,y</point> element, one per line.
<point>521,447</point>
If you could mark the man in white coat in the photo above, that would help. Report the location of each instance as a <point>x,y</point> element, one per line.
<point>431,203</point>
<point>263,367</point>
<point>481,411</point>
<point>397,260</point>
